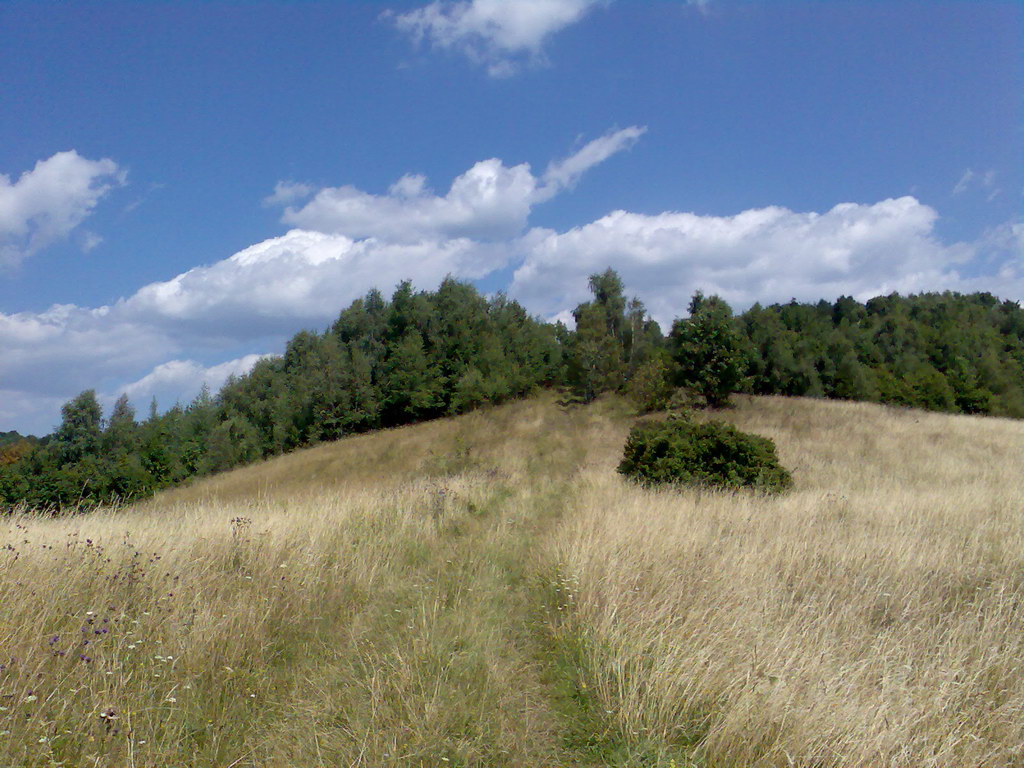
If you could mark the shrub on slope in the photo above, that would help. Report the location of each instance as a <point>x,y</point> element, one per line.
<point>712,454</point>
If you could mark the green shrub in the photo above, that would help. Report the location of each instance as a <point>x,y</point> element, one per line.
<point>650,388</point>
<point>711,454</point>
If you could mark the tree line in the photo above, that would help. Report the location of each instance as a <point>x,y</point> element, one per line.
<point>424,354</point>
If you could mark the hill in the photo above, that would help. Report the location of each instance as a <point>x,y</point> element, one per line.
<point>426,354</point>
<point>485,590</point>
<point>9,438</point>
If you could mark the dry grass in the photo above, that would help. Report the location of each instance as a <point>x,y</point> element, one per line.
<point>485,591</point>
<point>353,620</point>
<point>872,617</point>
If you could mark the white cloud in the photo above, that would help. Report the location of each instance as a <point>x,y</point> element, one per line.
<point>301,278</point>
<point>45,204</point>
<point>564,174</point>
<point>253,300</point>
<point>179,381</point>
<point>286,192</point>
<point>767,254</point>
<point>498,34</point>
<point>984,181</point>
<point>490,201</point>
<point>30,413</point>
<point>160,339</point>
<point>257,298</point>
<point>964,182</point>
<point>66,348</point>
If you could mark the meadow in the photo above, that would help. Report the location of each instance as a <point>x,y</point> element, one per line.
<point>487,591</point>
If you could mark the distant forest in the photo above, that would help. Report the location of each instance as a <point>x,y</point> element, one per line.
<point>422,354</point>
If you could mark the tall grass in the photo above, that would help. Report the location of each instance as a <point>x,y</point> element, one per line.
<point>350,619</point>
<point>485,591</point>
<point>875,616</point>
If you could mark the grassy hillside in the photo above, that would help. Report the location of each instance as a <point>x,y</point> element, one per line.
<point>486,591</point>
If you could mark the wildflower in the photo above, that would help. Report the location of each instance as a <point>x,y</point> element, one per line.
<point>31,697</point>
<point>171,700</point>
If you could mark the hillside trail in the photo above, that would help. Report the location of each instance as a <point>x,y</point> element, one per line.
<point>455,660</point>
<point>541,463</point>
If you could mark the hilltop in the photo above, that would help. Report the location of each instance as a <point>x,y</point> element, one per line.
<point>427,354</point>
<point>485,590</point>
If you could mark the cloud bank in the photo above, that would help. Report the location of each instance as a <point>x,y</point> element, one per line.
<point>170,336</point>
<point>45,204</point>
<point>767,254</point>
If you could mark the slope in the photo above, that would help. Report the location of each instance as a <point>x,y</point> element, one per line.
<point>484,591</point>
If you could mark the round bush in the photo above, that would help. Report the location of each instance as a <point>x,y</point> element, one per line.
<point>711,454</point>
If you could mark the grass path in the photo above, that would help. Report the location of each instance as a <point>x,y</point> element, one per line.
<point>458,661</point>
<point>384,600</point>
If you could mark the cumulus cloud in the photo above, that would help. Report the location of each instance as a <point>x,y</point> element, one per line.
<point>490,201</point>
<point>286,192</point>
<point>45,204</point>
<point>179,381</point>
<point>767,254</point>
<point>301,278</point>
<point>253,300</point>
<point>500,35</point>
<point>67,348</point>
<point>257,298</point>
<point>170,336</point>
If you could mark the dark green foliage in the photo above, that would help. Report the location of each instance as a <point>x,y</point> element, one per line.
<point>426,354</point>
<point>10,438</point>
<point>709,350</point>
<point>612,339</point>
<point>711,454</point>
<point>651,386</point>
<point>382,363</point>
<point>79,432</point>
<point>940,351</point>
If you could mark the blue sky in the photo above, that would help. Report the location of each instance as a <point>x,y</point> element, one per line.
<point>186,185</point>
